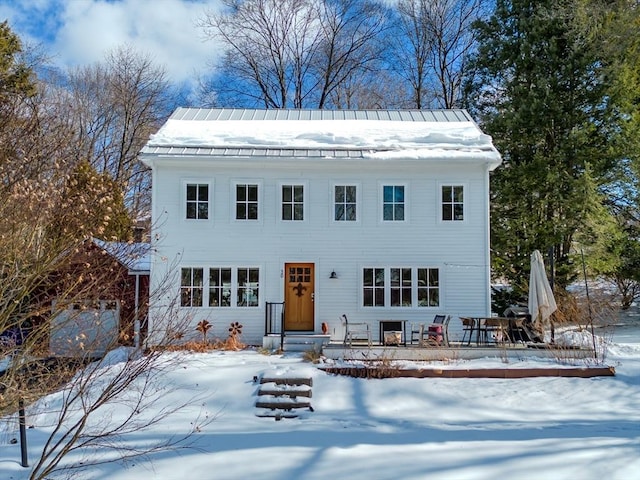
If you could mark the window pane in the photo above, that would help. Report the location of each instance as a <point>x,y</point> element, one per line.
<point>351,194</point>
<point>253,211</point>
<point>458,196</point>
<point>286,211</point>
<point>458,210</point>
<point>198,277</point>
<point>191,210</point>
<point>351,213</point>
<point>241,192</point>
<point>387,193</point>
<point>340,215</point>
<point>191,192</point>
<point>241,211</point>
<point>298,212</point>
<point>286,193</point>
<point>446,194</point>
<point>203,211</point>
<point>399,212</point>
<point>340,193</point>
<point>387,213</point>
<point>185,277</point>
<point>203,193</point>
<point>253,193</point>
<point>447,213</point>
<point>398,194</point>
<point>299,193</point>
<point>368,297</point>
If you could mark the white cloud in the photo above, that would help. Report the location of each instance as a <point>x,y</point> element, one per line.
<point>85,30</point>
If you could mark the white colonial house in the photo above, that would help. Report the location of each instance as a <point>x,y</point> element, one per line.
<point>307,215</point>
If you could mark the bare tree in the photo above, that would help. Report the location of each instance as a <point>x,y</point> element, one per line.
<point>294,53</point>
<point>435,39</point>
<point>114,106</point>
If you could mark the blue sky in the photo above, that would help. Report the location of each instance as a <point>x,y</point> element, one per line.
<point>81,32</point>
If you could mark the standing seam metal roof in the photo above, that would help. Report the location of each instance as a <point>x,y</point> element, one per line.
<point>209,114</point>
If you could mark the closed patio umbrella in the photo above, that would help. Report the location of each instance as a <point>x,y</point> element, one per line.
<point>541,301</point>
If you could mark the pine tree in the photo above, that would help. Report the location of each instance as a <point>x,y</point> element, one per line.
<point>539,90</point>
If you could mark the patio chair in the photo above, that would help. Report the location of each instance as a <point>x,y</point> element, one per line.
<point>435,332</point>
<point>359,332</point>
<point>468,327</point>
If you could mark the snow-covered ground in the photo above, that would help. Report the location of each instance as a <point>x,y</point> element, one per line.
<point>400,428</point>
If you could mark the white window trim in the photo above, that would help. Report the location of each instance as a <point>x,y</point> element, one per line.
<point>332,205</point>
<point>392,183</point>
<point>183,199</point>
<point>305,200</point>
<point>465,201</point>
<point>232,202</point>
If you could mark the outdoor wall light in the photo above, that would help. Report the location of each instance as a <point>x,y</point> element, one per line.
<point>333,274</point>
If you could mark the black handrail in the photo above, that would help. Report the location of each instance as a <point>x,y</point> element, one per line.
<point>274,320</point>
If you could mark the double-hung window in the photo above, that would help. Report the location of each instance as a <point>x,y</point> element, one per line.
<point>428,287</point>
<point>400,287</point>
<point>220,287</point>
<point>191,287</point>
<point>248,287</point>
<point>393,203</point>
<point>345,203</point>
<point>452,203</point>
<point>292,202</point>
<point>197,201</point>
<point>373,287</point>
<point>246,201</point>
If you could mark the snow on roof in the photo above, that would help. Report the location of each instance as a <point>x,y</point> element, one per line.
<point>316,133</point>
<point>134,256</point>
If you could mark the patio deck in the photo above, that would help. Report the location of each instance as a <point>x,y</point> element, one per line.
<point>455,351</point>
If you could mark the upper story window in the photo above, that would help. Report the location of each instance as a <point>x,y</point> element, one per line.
<point>191,287</point>
<point>452,203</point>
<point>345,203</point>
<point>293,202</point>
<point>198,201</point>
<point>246,201</point>
<point>393,203</point>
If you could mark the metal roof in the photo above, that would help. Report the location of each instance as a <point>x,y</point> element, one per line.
<point>252,152</point>
<point>457,115</point>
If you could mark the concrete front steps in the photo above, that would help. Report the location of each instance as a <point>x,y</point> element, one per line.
<point>296,342</point>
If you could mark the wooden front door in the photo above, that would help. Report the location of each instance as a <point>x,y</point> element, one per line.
<point>298,296</point>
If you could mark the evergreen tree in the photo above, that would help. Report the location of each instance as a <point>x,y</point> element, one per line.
<point>539,90</point>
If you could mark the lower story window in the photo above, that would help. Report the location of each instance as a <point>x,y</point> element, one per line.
<point>373,287</point>
<point>222,287</point>
<point>428,287</point>
<point>248,288</point>
<point>401,287</point>
<point>191,287</point>
<point>219,287</point>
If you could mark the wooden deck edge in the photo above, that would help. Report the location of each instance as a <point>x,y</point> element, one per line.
<point>372,372</point>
